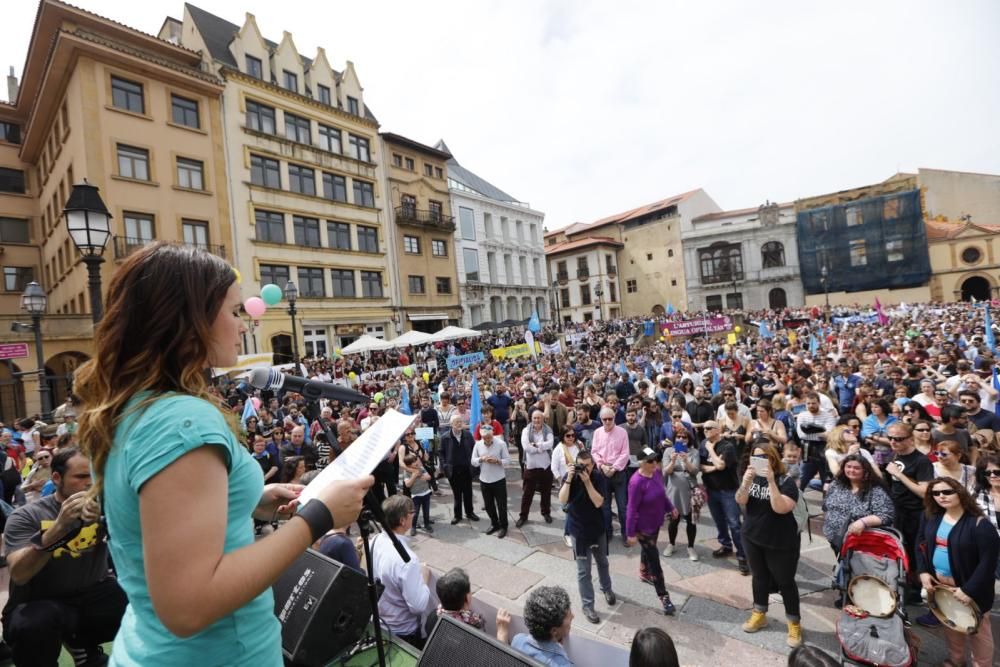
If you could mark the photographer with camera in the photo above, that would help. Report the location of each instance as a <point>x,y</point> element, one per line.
<point>582,494</point>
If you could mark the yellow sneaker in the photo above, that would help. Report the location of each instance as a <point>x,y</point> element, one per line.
<point>757,621</point>
<point>794,634</point>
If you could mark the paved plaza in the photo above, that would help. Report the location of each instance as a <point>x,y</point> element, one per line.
<point>712,598</point>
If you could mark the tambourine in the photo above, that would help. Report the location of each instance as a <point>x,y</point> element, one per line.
<point>955,614</point>
<point>872,595</point>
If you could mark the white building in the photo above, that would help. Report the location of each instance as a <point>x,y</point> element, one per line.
<point>499,250</point>
<point>746,259</point>
<point>584,270</point>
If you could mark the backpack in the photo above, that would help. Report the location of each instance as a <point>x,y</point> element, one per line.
<point>801,511</point>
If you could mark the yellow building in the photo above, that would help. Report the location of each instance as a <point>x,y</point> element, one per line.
<point>965,261</point>
<point>135,116</point>
<point>648,273</point>
<point>424,225</point>
<point>307,191</point>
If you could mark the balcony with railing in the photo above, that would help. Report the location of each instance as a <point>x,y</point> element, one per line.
<point>416,217</point>
<point>583,274</point>
<point>126,245</point>
<point>562,276</point>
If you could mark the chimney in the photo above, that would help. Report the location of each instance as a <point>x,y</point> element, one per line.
<point>11,86</point>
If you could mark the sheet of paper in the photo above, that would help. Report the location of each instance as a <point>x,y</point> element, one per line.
<point>424,433</point>
<point>361,457</point>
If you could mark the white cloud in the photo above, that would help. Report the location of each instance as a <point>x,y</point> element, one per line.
<point>586,108</point>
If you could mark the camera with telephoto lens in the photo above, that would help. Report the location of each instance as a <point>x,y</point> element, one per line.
<point>579,467</point>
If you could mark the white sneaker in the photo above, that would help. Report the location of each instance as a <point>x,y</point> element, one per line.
<point>568,540</point>
<point>669,551</point>
<point>692,554</point>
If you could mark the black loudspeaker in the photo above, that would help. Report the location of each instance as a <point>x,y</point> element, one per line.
<point>455,643</point>
<point>322,606</point>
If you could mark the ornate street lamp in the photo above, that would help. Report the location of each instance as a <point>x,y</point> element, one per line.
<point>89,225</point>
<point>34,302</point>
<point>291,295</point>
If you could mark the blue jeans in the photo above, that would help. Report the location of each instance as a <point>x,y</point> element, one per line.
<point>584,578</point>
<point>617,487</point>
<point>727,517</point>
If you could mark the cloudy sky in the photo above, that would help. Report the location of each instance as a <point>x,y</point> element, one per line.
<point>585,108</point>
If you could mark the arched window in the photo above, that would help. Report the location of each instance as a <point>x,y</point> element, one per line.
<point>772,255</point>
<point>720,263</point>
<point>777,299</point>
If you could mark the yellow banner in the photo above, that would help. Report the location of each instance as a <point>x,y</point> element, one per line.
<point>514,351</point>
<point>731,338</point>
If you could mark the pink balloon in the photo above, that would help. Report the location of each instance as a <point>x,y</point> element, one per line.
<point>256,405</point>
<point>255,306</point>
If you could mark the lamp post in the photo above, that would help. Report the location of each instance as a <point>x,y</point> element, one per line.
<point>33,302</point>
<point>291,295</point>
<point>89,225</point>
<point>826,292</point>
<point>555,288</point>
<point>599,292</point>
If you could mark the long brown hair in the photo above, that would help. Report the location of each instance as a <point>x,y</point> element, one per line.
<point>931,507</point>
<point>154,337</point>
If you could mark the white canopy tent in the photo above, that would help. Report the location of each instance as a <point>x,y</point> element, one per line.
<point>366,344</point>
<point>246,363</point>
<point>411,338</point>
<point>452,333</point>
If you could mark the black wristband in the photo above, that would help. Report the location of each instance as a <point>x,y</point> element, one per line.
<point>318,516</point>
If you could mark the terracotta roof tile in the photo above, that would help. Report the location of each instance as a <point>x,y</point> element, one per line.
<point>945,231</point>
<point>575,244</point>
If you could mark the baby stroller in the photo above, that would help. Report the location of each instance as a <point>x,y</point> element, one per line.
<point>871,577</point>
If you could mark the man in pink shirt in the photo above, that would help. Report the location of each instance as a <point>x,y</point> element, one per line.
<point>610,450</point>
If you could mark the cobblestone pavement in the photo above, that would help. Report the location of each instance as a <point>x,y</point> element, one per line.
<point>712,598</point>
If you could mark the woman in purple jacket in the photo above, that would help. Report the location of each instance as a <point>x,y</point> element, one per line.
<point>647,506</point>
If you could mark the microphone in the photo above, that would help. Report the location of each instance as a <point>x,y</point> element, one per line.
<point>270,379</point>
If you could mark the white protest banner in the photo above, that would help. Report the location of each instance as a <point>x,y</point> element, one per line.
<point>554,348</point>
<point>364,453</point>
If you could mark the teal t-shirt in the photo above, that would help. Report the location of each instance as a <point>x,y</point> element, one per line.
<point>145,443</point>
<point>940,560</point>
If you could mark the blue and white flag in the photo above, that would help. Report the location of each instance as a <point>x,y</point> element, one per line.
<point>622,369</point>
<point>475,405</point>
<point>687,349</point>
<point>813,345</point>
<point>670,309</point>
<point>534,325</point>
<point>991,339</point>
<point>996,385</point>
<point>404,401</point>
<point>765,333</point>
<point>248,410</point>
<point>715,381</point>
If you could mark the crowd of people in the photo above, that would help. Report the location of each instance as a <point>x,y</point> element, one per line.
<point>889,420</point>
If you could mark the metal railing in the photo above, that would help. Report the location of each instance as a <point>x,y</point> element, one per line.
<point>432,218</point>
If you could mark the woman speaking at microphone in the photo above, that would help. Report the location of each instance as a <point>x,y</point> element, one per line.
<point>178,490</point>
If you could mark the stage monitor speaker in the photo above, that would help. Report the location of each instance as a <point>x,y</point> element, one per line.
<point>322,606</point>
<point>455,643</point>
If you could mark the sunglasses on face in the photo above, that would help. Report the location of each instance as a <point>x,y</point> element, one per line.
<point>993,472</point>
<point>921,430</point>
<point>898,438</point>
<point>943,492</point>
<point>607,419</point>
<point>569,436</point>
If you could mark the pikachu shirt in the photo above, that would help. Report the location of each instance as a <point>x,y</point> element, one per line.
<point>72,569</point>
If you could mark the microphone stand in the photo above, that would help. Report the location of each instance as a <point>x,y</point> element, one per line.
<point>373,512</point>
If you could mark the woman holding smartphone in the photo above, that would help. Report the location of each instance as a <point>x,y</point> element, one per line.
<point>771,537</point>
<point>680,470</point>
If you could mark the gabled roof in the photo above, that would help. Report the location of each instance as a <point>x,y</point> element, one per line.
<point>576,244</point>
<point>415,145</point>
<point>218,33</point>
<point>631,214</point>
<point>947,231</point>
<point>457,172</point>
